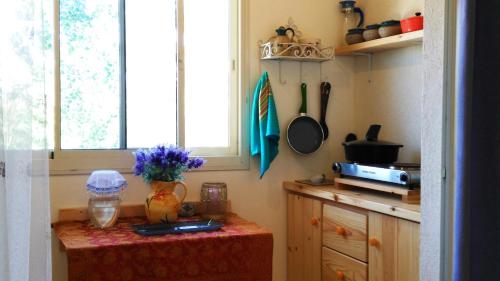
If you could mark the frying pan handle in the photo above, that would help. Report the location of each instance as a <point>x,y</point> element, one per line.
<point>303,106</point>
<point>372,134</point>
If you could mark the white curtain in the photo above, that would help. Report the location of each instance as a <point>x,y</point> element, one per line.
<point>24,190</point>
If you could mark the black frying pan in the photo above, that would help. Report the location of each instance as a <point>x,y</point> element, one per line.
<point>304,134</point>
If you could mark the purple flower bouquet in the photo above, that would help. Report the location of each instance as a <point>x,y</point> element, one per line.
<point>164,163</point>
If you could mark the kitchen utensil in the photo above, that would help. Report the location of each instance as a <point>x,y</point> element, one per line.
<point>304,134</point>
<point>371,150</point>
<point>354,36</point>
<point>349,9</point>
<point>412,23</point>
<point>389,28</point>
<point>325,95</point>
<point>371,32</point>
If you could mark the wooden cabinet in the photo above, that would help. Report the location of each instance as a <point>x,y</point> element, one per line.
<point>331,241</point>
<point>345,231</point>
<point>304,238</point>
<point>344,244</point>
<point>339,267</point>
<point>393,251</point>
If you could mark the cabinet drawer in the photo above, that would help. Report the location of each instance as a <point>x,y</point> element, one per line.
<point>338,267</point>
<point>345,231</point>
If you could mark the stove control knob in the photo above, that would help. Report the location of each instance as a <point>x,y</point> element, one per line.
<point>403,177</point>
<point>336,167</point>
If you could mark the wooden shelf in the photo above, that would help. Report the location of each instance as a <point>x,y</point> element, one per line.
<point>382,44</point>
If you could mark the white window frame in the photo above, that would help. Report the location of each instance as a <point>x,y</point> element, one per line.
<point>65,162</point>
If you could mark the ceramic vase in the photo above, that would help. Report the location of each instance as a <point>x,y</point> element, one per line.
<point>162,203</point>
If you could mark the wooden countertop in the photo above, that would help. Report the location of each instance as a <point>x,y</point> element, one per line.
<point>362,198</point>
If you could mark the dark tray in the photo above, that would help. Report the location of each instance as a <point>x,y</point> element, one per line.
<point>175,228</point>
<point>325,182</point>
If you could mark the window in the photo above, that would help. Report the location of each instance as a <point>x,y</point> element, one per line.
<point>134,74</point>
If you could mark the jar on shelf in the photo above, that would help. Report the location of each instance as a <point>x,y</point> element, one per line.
<point>105,189</point>
<point>389,28</point>
<point>213,199</point>
<point>354,36</point>
<point>281,41</point>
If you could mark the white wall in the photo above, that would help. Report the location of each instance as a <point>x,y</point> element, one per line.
<point>391,95</point>
<point>440,13</point>
<point>419,104</point>
<point>377,11</point>
<point>390,91</point>
<point>262,201</point>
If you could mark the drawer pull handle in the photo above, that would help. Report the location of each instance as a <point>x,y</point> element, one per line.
<point>314,221</point>
<point>373,242</point>
<point>340,275</point>
<point>340,230</point>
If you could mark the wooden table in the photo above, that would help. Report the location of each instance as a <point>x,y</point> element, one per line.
<point>359,197</point>
<point>241,251</point>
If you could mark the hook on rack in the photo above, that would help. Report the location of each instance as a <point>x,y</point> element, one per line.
<point>321,73</point>
<point>300,73</point>
<point>321,77</point>
<point>282,82</point>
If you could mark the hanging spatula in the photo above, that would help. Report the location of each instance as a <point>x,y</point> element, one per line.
<point>325,95</point>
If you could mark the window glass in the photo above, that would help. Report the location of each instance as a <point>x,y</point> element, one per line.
<point>49,85</point>
<point>90,74</point>
<point>208,65</point>
<point>151,55</point>
<point>120,73</point>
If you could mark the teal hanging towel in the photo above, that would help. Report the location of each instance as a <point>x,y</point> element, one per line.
<point>264,124</point>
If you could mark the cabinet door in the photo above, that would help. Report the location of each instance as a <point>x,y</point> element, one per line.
<point>344,230</point>
<point>339,267</point>
<point>393,251</point>
<point>304,238</point>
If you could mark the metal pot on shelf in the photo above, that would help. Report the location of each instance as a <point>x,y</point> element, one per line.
<point>412,23</point>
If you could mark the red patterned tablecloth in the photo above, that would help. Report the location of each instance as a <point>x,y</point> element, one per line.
<point>240,251</point>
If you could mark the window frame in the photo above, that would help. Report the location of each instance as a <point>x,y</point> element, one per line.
<point>64,162</point>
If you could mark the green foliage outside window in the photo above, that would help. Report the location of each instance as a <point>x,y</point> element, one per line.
<point>90,74</point>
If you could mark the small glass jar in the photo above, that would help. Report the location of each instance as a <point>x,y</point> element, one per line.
<point>104,188</point>
<point>213,198</point>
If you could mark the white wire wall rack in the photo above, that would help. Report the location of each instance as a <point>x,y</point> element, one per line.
<point>306,52</point>
<point>300,52</point>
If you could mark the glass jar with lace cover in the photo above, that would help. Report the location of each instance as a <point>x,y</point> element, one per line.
<point>105,188</point>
